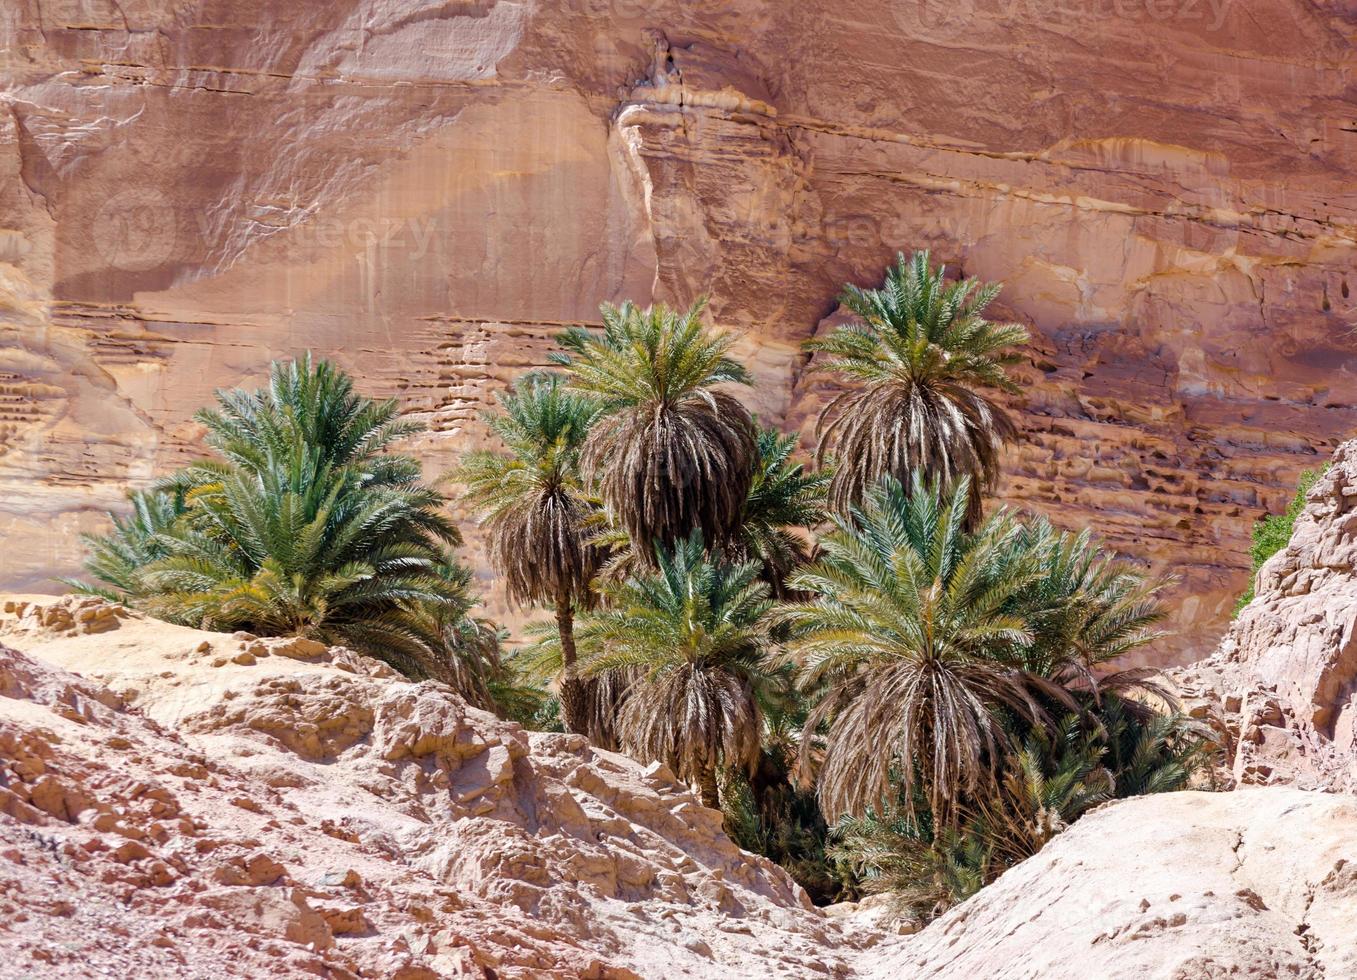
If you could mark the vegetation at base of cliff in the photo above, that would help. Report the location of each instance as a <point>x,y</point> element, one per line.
<point>1271,534</point>
<point>1049,778</point>
<point>884,684</point>
<point>306,522</point>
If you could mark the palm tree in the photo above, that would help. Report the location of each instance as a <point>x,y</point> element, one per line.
<point>301,547</point>
<point>669,454</point>
<point>307,525</point>
<point>783,497</point>
<point>693,637</point>
<point>464,649</point>
<point>534,506</point>
<point>118,557</point>
<point>1046,784</point>
<point>1087,609</point>
<point>314,404</point>
<point>1050,778</point>
<point>918,361</point>
<point>912,648</point>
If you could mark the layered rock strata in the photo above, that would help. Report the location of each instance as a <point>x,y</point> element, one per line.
<point>426,191</point>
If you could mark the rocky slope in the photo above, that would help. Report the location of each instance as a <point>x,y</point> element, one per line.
<point>426,190</point>
<point>183,804</point>
<point>179,803</point>
<point>222,805</point>
<point>1254,884</point>
<point>1284,681</point>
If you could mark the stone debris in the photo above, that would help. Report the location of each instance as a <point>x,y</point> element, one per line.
<point>329,818</point>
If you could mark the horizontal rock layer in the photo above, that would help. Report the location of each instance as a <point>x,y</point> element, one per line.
<point>426,191</point>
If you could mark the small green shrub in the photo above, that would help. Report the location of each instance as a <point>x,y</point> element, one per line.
<point>1271,534</point>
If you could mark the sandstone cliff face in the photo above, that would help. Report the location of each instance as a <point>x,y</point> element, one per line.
<point>1284,680</point>
<point>425,191</point>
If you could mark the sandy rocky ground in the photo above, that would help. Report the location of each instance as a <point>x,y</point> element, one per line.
<point>218,804</point>
<point>176,803</point>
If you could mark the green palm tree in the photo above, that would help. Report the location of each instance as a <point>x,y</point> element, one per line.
<point>306,525</point>
<point>911,646</point>
<point>313,404</point>
<point>1048,781</point>
<point>1045,785</point>
<point>692,638</point>
<point>119,557</point>
<point>919,363</point>
<point>301,547</point>
<point>533,504</point>
<point>669,453</point>
<point>1085,610</point>
<point>465,650</point>
<point>783,498</point>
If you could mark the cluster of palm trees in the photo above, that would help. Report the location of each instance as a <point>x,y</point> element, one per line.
<point>858,645</point>
<point>926,650</point>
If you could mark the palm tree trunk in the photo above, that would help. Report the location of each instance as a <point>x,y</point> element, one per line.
<point>707,789</point>
<point>935,808</point>
<point>574,697</point>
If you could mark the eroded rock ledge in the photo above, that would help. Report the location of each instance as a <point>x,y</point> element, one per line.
<point>1284,682</point>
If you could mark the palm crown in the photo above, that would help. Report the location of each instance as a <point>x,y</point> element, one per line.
<point>532,500</point>
<point>921,356</point>
<point>670,454</point>
<point>307,525</point>
<point>314,405</point>
<point>782,498</point>
<point>692,638</point>
<point>913,645</point>
<point>1087,609</point>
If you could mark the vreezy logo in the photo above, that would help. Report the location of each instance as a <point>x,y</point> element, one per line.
<point>84,13</point>
<point>933,17</point>
<point>135,230</point>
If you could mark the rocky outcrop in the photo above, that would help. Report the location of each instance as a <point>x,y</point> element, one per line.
<point>270,815</point>
<point>426,191</point>
<point>179,803</point>
<point>1253,884</point>
<point>1284,681</point>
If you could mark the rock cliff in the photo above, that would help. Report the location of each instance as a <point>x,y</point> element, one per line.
<point>426,190</point>
<point>1284,681</point>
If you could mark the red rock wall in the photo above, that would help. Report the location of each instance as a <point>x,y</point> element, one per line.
<point>425,191</point>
